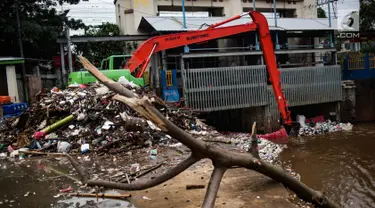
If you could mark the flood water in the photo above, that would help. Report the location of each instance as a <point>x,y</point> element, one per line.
<point>342,165</point>
<point>38,183</point>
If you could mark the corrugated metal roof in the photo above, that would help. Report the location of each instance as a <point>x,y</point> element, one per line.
<point>195,23</point>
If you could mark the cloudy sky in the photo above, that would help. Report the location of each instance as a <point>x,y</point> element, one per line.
<point>344,7</point>
<point>92,12</point>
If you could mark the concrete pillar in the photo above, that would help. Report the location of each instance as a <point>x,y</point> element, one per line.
<point>147,8</point>
<point>318,56</point>
<point>12,83</point>
<point>234,7</point>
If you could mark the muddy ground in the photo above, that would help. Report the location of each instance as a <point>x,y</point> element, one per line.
<point>240,188</point>
<point>38,181</point>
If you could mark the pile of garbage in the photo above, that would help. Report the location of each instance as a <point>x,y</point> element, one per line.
<point>84,118</point>
<point>318,125</point>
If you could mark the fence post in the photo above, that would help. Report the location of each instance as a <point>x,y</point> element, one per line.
<point>367,62</point>
<point>346,67</point>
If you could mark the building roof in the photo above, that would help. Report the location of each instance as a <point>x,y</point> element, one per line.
<point>158,23</point>
<point>11,60</point>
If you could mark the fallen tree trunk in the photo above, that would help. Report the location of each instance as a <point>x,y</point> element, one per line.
<point>221,158</point>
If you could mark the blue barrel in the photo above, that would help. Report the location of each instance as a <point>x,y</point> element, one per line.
<point>14,108</point>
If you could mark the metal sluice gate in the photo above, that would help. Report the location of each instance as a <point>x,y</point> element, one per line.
<point>225,88</point>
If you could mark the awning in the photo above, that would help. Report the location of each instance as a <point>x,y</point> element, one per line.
<point>11,60</point>
<point>175,24</point>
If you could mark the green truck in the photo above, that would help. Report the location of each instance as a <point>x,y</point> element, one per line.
<point>112,67</point>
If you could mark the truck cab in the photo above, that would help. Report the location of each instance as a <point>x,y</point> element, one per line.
<point>112,67</point>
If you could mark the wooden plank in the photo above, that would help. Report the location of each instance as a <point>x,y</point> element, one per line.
<point>34,86</point>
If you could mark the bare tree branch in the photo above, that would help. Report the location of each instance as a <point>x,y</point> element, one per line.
<point>200,150</point>
<point>253,150</point>
<point>148,183</point>
<point>81,171</point>
<point>213,187</point>
<point>278,174</point>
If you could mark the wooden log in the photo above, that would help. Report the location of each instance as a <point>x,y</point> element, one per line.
<point>188,187</point>
<point>108,196</point>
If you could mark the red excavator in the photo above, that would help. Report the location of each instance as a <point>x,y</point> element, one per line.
<point>141,57</point>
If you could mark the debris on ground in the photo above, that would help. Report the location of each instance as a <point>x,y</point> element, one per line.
<point>318,125</point>
<point>83,119</point>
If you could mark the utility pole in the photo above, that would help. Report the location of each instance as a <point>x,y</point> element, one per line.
<point>330,24</point>
<point>186,48</point>
<point>277,46</point>
<point>69,45</point>
<point>19,37</point>
<point>323,2</point>
<point>257,48</point>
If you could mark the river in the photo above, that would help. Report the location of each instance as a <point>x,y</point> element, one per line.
<point>339,164</point>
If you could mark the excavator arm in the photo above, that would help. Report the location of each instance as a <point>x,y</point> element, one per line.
<point>141,57</point>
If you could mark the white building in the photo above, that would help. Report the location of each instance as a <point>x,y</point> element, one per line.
<point>129,13</point>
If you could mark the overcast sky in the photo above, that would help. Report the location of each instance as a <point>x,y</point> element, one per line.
<point>344,7</point>
<point>94,12</point>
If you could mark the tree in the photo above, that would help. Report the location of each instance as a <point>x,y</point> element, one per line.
<point>96,51</point>
<point>222,159</point>
<point>367,15</point>
<point>40,24</point>
<point>321,13</point>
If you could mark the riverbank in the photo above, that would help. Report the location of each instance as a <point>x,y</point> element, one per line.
<point>240,188</point>
<point>38,181</point>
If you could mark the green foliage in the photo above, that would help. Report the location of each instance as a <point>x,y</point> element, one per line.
<point>321,13</point>
<point>96,51</point>
<point>367,15</point>
<point>368,47</point>
<point>40,24</point>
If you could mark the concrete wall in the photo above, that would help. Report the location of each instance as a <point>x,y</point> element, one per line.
<point>129,12</point>
<point>365,100</point>
<point>348,109</point>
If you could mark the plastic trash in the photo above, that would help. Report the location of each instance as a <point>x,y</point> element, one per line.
<point>66,190</point>
<point>55,89</point>
<point>82,86</point>
<point>124,81</point>
<point>10,148</point>
<point>85,148</point>
<point>81,117</point>
<point>107,125</point>
<point>3,155</point>
<point>347,126</point>
<point>153,154</point>
<point>135,167</point>
<point>63,147</point>
<point>39,135</point>
<point>301,119</point>
<point>101,90</point>
<point>17,153</point>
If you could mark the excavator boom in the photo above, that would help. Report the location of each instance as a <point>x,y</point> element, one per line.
<point>141,57</point>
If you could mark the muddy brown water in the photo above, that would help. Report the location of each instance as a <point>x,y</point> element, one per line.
<point>37,183</point>
<point>342,165</point>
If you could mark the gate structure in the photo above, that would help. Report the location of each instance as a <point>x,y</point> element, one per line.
<point>312,85</point>
<point>209,89</point>
<point>225,88</point>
